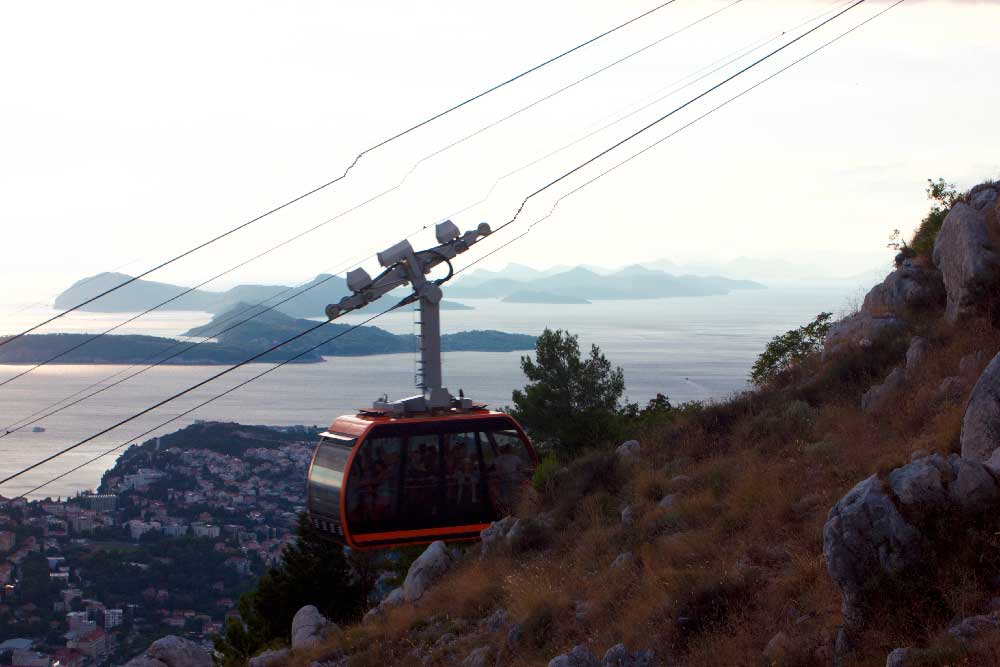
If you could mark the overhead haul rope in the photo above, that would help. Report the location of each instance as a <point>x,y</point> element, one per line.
<point>711,111</point>
<point>665,116</point>
<point>204,403</point>
<point>51,409</point>
<point>370,200</point>
<point>311,329</point>
<point>704,72</point>
<point>257,309</point>
<point>357,158</point>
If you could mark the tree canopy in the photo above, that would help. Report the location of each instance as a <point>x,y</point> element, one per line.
<point>571,401</point>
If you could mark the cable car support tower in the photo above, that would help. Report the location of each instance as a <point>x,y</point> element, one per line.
<point>403,265</point>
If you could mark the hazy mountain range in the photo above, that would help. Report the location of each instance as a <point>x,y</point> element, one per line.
<point>582,284</point>
<point>142,294</point>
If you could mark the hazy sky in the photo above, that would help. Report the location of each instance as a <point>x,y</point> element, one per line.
<point>130,131</point>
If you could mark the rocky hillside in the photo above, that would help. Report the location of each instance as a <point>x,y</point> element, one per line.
<point>847,512</point>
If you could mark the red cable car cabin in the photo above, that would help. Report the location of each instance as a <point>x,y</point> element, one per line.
<point>377,481</point>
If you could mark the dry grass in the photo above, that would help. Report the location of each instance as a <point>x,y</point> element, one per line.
<point>738,557</point>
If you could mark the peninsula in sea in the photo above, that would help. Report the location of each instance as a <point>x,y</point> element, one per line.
<point>234,336</point>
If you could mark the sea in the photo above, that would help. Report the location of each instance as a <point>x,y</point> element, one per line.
<point>690,349</point>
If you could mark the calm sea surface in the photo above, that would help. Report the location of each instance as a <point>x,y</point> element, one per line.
<point>688,349</point>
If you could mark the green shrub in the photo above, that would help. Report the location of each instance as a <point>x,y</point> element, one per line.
<point>943,195</point>
<point>790,348</point>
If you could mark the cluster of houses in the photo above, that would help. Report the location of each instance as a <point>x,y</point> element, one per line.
<point>246,506</point>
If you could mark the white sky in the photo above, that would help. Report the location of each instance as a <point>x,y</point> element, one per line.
<point>131,131</point>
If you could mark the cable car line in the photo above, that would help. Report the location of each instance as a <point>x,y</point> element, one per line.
<point>204,403</point>
<point>675,111</point>
<point>37,416</point>
<point>520,209</point>
<point>191,289</point>
<point>678,131</point>
<point>398,185</point>
<point>732,57</point>
<point>398,135</point>
<point>571,85</point>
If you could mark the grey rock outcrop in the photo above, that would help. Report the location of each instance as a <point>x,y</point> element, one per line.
<point>916,354</point>
<point>515,536</point>
<point>578,656</point>
<point>427,569</point>
<point>920,486</point>
<point>309,628</point>
<point>494,536</point>
<point>879,397</point>
<point>972,627</point>
<point>497,621</point>
<point>667,501</point>
<point>858,331</point>
<point>981,425</point>
<point>954,387</point>
<point>172,651</point>
<point>623,559</point>
<point>628,516</point>
<point>967,259</point>
<point>901,657</point>
<point>629,450</point>
<point>908,288</point>
<point>934,485</point>
<point>269,658</point>
<point>866,537</point>
<point>619,656</point>
<point>983,196</point>
<point>875,532</point>
<point>480,657</point>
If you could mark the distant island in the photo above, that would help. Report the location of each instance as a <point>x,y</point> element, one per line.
<point>137,296</point>
<point>530,296</point>
<point>267,329</point>
<point>582,285</point>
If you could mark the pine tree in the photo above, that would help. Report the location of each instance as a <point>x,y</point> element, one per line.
<point>314,570</point>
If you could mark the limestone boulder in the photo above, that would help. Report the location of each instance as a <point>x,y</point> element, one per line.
<point>902,657</point>
<point>309,628</point>
<point>629,450</point>
<point>921,486</point>
<point>622,560</point>
<point>426,570</point>
<point>879,398</point>
<point>628,516</point>
<point>936,485</point>
<point>858,331</point>
<point>971,628</point>
<point>172,651</point>
<point>619,656</point>
<point>981,424</point>
<point>578,656</point>
<point>274,658</point>
<point>967,259</point>
<point>480,657</point>
<point>983,197</point>
<point>972,488</point>
<point>667,501</point>
<point>494,536</point>
<point>916,355</point>
<point>909,288</point>
<point>865,538</point>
